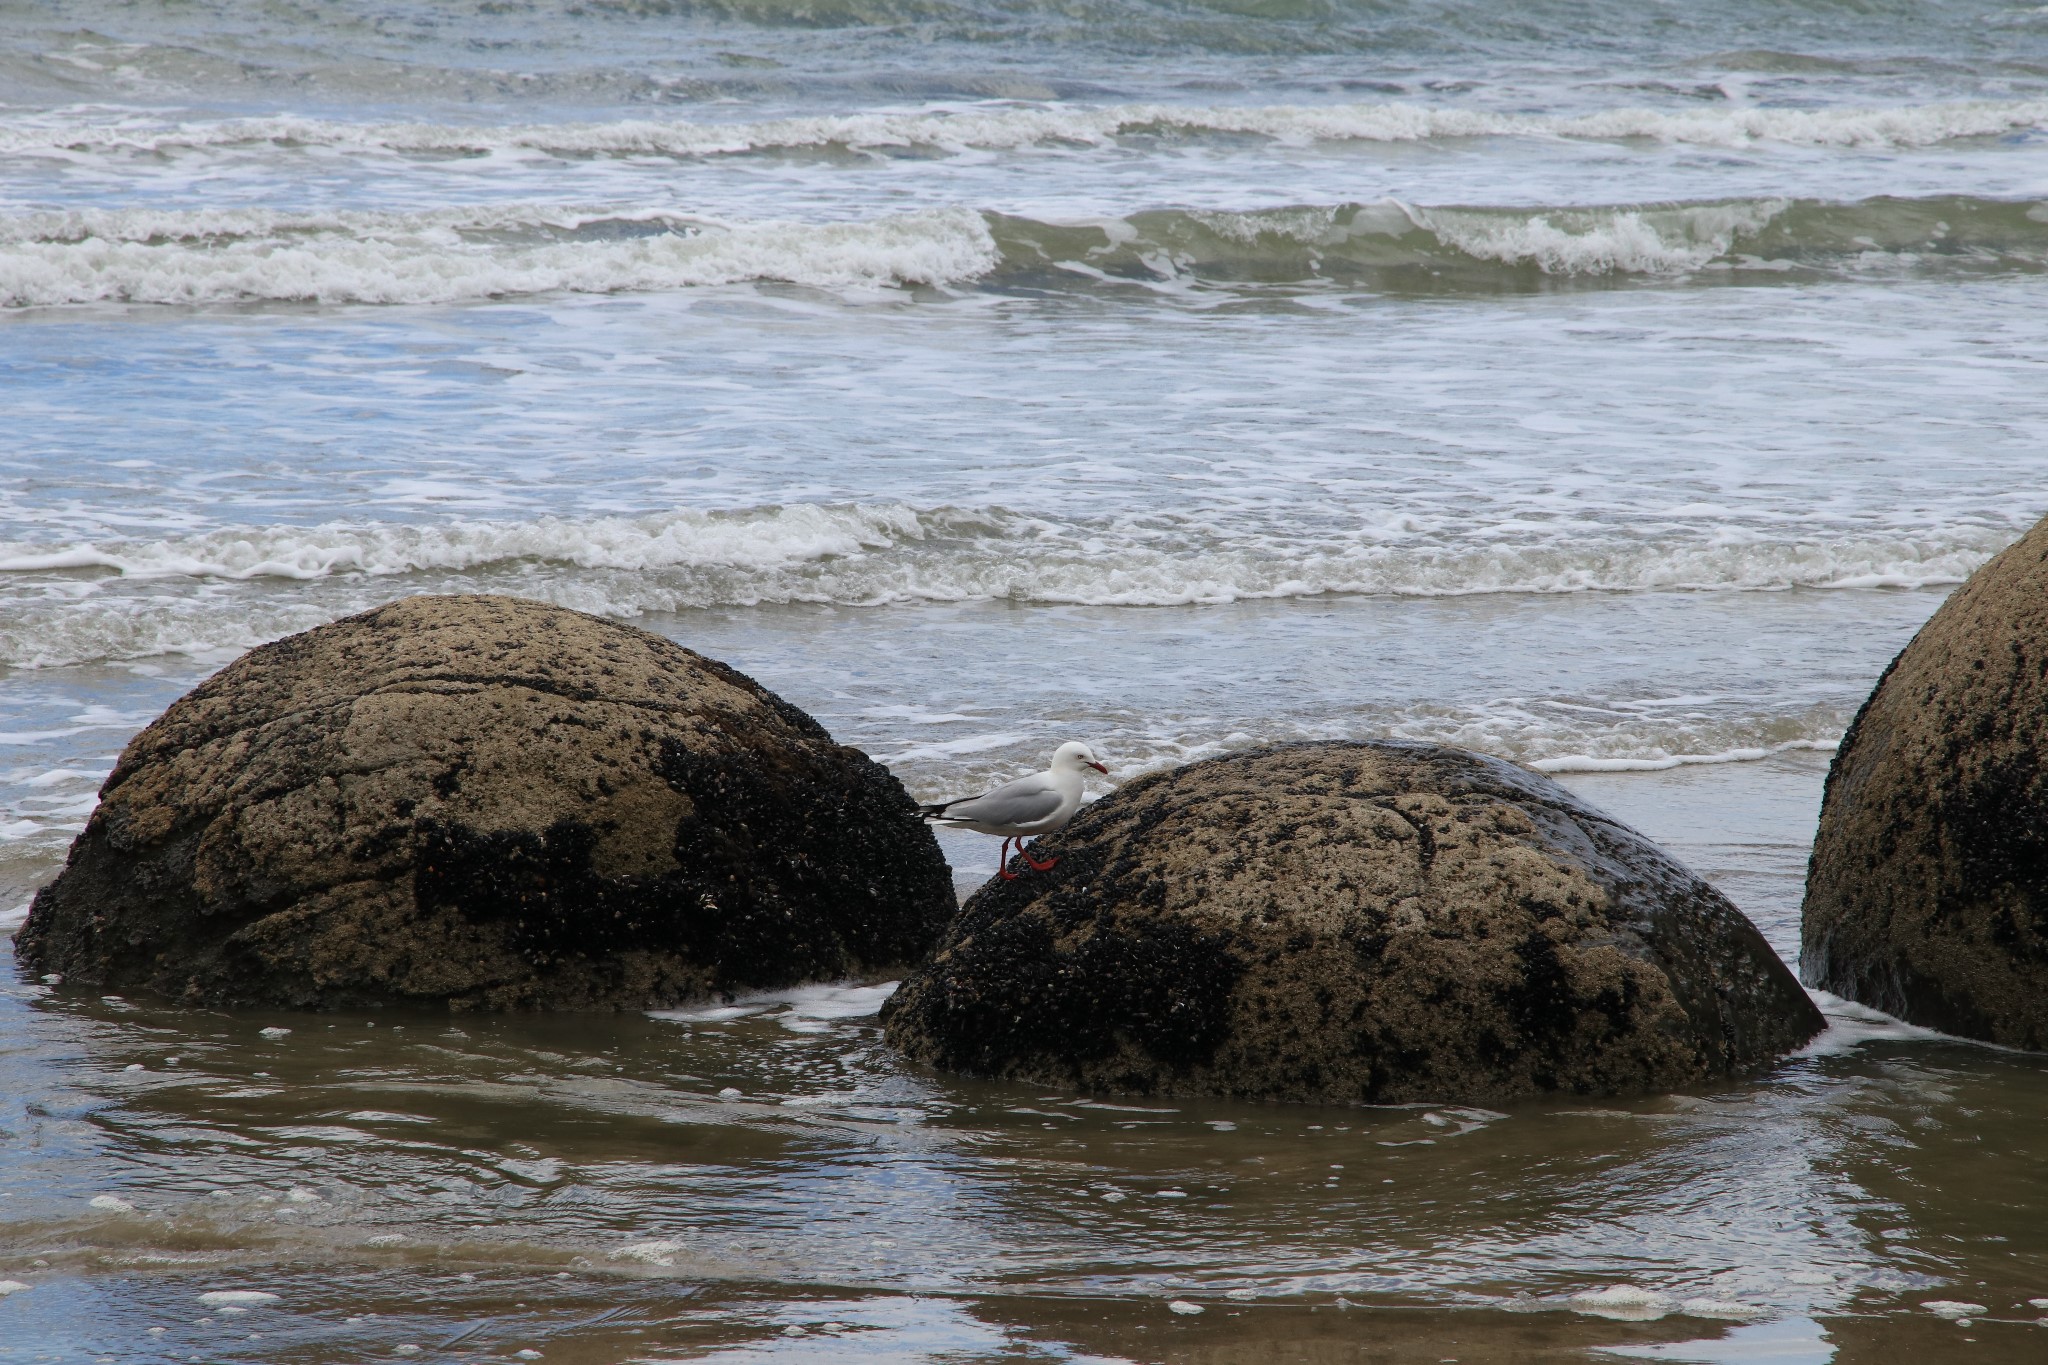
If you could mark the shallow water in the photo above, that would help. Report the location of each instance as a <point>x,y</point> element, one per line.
<point>1615,388</point>
<point>695,1183</point>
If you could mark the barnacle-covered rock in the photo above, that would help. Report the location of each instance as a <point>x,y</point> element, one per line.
<point>491,803</point>
<point>1927,894</point>
<point>1351,923</point>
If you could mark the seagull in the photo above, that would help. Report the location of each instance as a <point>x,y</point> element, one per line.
<point>1034,805</point>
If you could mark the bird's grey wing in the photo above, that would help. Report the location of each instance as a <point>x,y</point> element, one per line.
<point>1022,802</point>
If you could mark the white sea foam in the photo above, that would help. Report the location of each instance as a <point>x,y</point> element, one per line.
<point>649,1253</point>
<point>1000,126</point>
<point>163,596</point>
<point>761,539</point>
<point>1851,1025</point>
<point>1602,242</point>
<point>803,1009</point>
<point>1622,1302</point>
<point>876,552</point>
<point>210,256</point>
<point>1663,762</point>
<point>215,256</point>
<point>1633,1303</point>
<point>1665,239</point>
<point>1726,1309</point>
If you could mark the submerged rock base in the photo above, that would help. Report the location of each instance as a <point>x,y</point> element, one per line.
<point>1344,923</point>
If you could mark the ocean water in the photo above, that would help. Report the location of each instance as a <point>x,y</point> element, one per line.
<point>1615,387</point>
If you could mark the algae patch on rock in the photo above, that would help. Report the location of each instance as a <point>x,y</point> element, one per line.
<point>1927,893</point>
<point>1345,923</point>
<point>492,803</point>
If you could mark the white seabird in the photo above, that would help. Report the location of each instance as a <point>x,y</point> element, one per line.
<point>1024,809</point>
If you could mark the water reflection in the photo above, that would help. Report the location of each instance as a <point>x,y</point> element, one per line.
<point>762,1179</point>
<point>767,1156</point>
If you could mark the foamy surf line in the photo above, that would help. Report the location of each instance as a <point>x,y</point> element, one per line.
<point>874,553</point>
<point>395,259</point>
<point>1851,1025</point>
<point>203,256</point>
<point>1659,762</point>
<point>1017,125</point>
<point>202,594</point>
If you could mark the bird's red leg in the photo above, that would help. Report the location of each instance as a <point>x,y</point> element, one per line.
<point>1003,864</point>
<point>1033,863</point>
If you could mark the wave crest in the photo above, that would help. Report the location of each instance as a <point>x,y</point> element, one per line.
<point>1009,126</point>
<point>219,256</point>
<point>445,255</point>
<point>869,553</point>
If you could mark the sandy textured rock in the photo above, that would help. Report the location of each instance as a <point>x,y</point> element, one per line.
<point>493,803</point>
<point>1351,922</point>
<point>1927,896</point>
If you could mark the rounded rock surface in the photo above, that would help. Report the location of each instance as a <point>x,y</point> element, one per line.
<point>491,803</point>
<point>1346,923</point>
<point>1927,893</point>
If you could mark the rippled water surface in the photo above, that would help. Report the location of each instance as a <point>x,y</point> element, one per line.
<point>761,1178</point>
<point>1614,387</point>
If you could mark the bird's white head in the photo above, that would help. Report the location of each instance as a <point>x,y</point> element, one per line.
<point>1074,756</point>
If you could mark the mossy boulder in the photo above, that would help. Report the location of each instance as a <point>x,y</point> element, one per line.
<point>1346,923</point>
<point>1927,894</point>
<point>493,804</point>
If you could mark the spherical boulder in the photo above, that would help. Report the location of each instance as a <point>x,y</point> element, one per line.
<point>1927,893</point>
<point>493,804</point>
<point>1346,923</point>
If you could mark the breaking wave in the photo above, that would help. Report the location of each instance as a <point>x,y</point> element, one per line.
<point>219,256</point>
<point>437,256</point>
<point>135,598</point>
<point>1009,126</point>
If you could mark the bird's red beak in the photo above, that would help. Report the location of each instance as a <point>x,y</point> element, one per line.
<point>1099,768</point>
